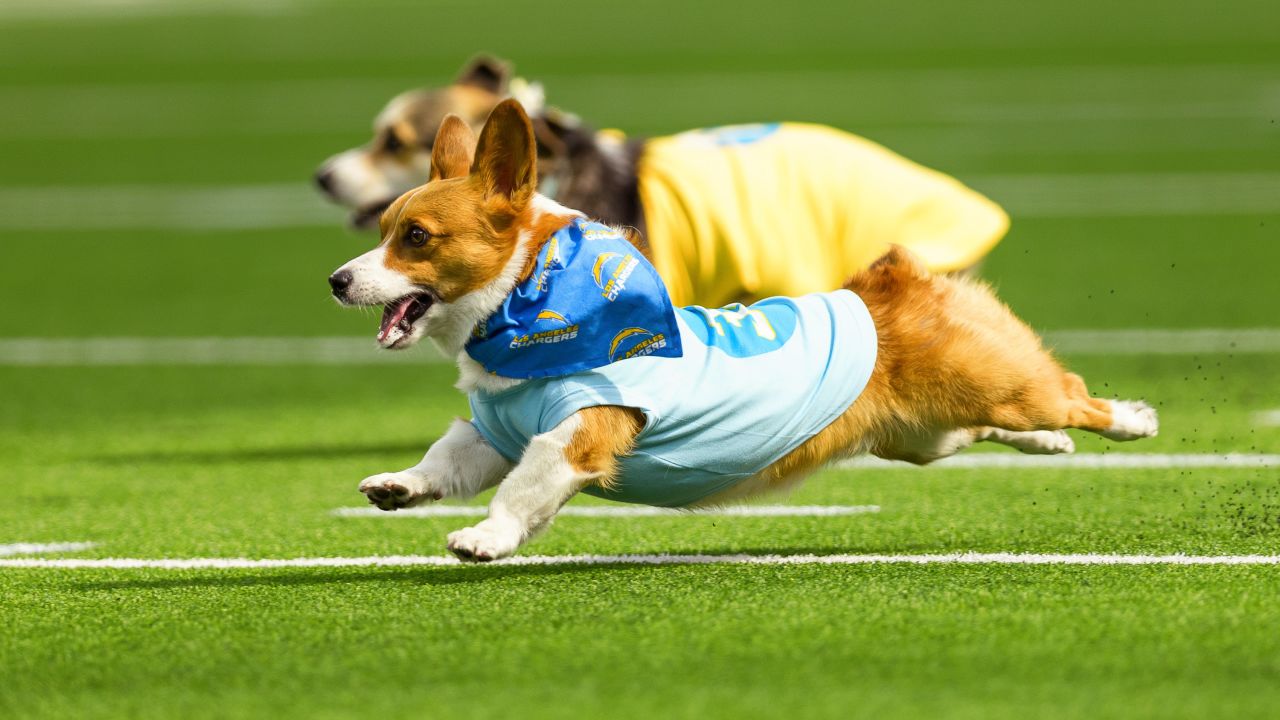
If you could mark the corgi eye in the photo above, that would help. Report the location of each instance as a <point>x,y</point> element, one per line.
<point>392,143</point>
<point>416,236</point>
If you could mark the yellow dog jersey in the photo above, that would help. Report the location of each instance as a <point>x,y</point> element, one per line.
<point>753,211</point>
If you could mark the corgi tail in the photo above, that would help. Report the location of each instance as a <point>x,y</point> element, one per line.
<point>896,266</point>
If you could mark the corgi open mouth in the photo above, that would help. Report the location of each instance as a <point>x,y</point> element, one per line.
<point>398,318</point>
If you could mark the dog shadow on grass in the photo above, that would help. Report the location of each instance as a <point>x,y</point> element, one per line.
<point>436,575</point>
<point>338,576</point>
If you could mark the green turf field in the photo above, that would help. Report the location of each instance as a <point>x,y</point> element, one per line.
<point>1137,146</point>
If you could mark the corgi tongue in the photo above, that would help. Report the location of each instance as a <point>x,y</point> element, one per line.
<point>392,314</point>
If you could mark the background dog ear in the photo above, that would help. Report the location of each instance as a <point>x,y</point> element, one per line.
<point>555,131</point>
<point>486,72</point>
<point>454,148</point>
<point>506,157</point>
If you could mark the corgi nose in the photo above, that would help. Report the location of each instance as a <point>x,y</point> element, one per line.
<point>324,179</point>
<point>340,281</point>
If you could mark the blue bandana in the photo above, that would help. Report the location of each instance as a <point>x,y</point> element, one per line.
<point>591,300</point>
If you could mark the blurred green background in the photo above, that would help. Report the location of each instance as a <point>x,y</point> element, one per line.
<point>154,157</point>
<point>155,164</point>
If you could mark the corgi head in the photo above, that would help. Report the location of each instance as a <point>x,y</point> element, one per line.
<point>453,249</point>
<point>366,179</point>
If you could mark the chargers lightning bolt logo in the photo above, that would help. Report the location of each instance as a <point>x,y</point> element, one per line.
<point>613,283</point>
<point>649,343</point>
<point>552,315</point>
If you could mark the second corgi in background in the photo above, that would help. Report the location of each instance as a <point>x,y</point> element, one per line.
<point>725,214</point>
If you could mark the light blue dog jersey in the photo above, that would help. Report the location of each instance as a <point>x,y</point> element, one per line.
<point>752,384</point>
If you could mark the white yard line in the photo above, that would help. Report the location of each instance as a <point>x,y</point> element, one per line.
<point>1127,194</point>
<point>1174,83</point>
<point>124,351</point>
<point>1268,418</point>
<point>160,207</point>
<point>120,351</point>
<point>1077,101</point>
<point>297,205</point>
<point>438,560</point>
<point>97,10</point>
<point>1055,85</point>
<point>623,511</point>
<point>171,111</point>
<point>38,548</point>
<point>1150,341</point>
<point>1081,461</point>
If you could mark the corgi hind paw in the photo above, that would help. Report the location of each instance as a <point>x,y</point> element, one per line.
<point>1047,442</point>
<point>1031,442</point>
<point>1132,420</point>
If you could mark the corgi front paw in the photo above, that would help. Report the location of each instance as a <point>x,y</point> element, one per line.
<point>485,541</point>
<point>392,491</point>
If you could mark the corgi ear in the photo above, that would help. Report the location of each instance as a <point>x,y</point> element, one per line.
<point>486,72</point>
<point>506,158</point>
<point>452,153</point>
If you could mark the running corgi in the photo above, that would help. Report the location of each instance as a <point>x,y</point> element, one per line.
<point>583,377</point>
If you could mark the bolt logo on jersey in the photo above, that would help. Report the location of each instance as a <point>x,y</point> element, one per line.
<point>553,316</point>
<point>591,300</point>
<point>741,331</point>
<point>611,271</point>
<point>550,327</point>
<point>635,342</point>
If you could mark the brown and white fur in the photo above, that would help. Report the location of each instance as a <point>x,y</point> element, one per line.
<point>954,365</point>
